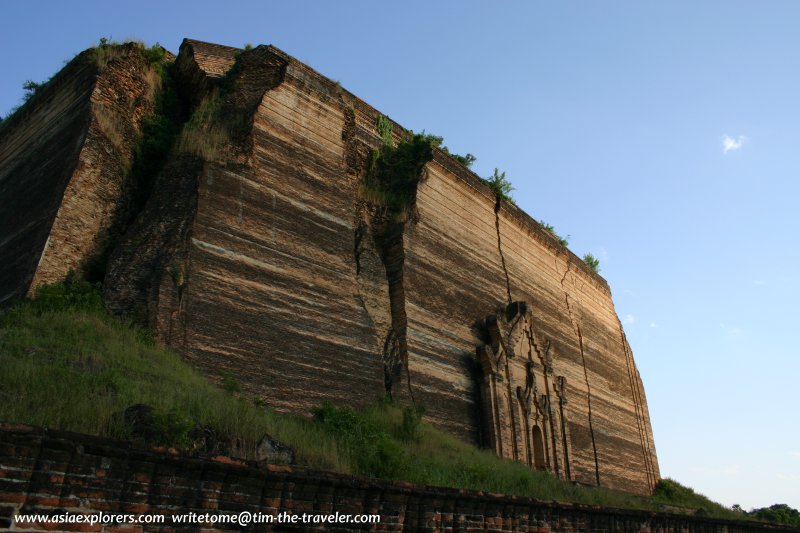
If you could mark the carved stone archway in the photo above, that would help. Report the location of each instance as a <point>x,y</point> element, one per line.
<point>522,421</point>
<point>537,438</point>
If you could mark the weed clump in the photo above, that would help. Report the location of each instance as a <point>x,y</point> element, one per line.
<point>410,429</point>
<point>394,172</point>
<point>203,135</point>
<point>384,130</point>
<point>371,449</point>
<point>592,261</point>
<point>230,384</point>
<point>155,55</point>
<point>31,88</point>
<point>500,185</point>
<point>465,160</point>
<point>552,231</point>
<point>73,294</point>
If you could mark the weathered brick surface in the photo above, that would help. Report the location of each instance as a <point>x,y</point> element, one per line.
<point>286,288</point>
<point>130,480</point>
<point>262,260</point>
<point>63,163</point>
<point>38,152</point>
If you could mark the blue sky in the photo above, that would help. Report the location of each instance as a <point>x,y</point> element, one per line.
<point>662,136</point>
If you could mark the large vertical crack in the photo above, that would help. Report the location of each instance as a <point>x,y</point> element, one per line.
<point>371,278</point>
<point>149,268</point>
<point>392,254</point>
<point>647,454</point>
<point>385,202</point>
<point>370,274</point>
<point>579,335</point>
<point>497,205</point>
<point>358,237</point>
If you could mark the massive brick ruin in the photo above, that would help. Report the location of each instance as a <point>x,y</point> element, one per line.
<point>257,253</point>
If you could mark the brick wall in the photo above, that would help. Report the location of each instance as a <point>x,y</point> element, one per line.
<point>64,166</point>
<point>46,472</point>
<point>263,258</point>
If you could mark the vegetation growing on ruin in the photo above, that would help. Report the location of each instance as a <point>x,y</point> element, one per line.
<point>394,171</point>
<point>88,368</point>
<point>465,160</point>
<point>159,131</point>
<point>384,127</point>
<point>101,55</point>
<point>552,231</point>
<point>31,88</point>
<point>592,262</point>
<point>203,135</point>
<point>211,127</point>
<point>105,51</point>
<point>500,185</point>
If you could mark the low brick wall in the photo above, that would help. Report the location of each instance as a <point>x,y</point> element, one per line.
<point>49,472</point>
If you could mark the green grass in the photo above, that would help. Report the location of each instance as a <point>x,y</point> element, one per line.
<point>68,365</point>
<point>204,134</point>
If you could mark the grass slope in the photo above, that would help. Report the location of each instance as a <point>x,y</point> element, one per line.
<point>68,365</point>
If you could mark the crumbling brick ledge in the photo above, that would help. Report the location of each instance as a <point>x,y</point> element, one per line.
<point>46,471</point>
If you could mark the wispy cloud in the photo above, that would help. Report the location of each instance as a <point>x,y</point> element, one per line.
<point>629,319</point>
<point>653,325</point>
<point>731,144</point>
<point>795,454</point>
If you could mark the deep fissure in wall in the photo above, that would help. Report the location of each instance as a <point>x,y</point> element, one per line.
<point>497,206</point>
<point>388,190</point>
<point>151,263</point>
<point>579,335</point>
<point>159,130</point>
<point>78,176</point>
<point>310,246</point>
<point>640,410</point>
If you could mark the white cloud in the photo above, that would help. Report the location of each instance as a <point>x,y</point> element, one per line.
<point>653,325</point>
<point>759,282</point>
<point>795,454</point>
<point>731,144</point>
<point>629,319</point>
